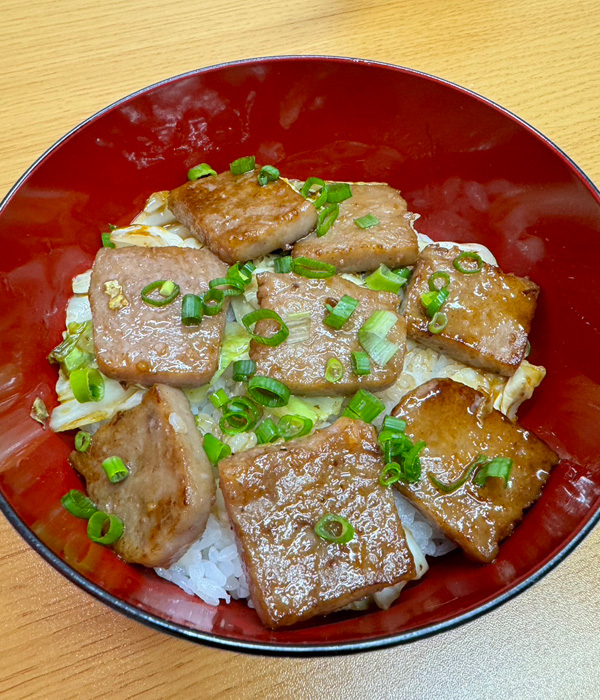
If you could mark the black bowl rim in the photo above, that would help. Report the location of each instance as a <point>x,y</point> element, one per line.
<point>265,648</point>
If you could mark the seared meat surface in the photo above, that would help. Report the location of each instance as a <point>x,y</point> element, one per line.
<point>457,425</point>
<point>301,365</point>
<point>276,494</point>
<point>489,312</point>
<point>165,501</point>
<point>352,249</point>
<point>136,342</point>
<point>238,219</point>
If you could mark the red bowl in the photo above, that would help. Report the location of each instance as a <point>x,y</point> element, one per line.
<point>474,172</point>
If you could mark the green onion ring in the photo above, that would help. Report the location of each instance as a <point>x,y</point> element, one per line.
<point>468,255</point>
<point>341,312</point>
<point>97,523</point>
<point>364,405</point>
<point>87,384</point>
<point>267,432</point>
<point>367,221</point>
<point>267,173</point>
<point>438,323</point>
<point>115,469</point>
<point>198,171</point>
<point>242,165</point>
<point>390,474</point>
<point>229,286</point>
<point>152,287</point>
<point>192,310</point>
<point>215,449</point>
<point>327,218</point>
<point>334,528</point>
<point>243,370</point>
<point>313,269</point>
<point>338,192</point>
<point>254,316</point>
<point>305,191</point>
<point>361,365</point>
<point>268,392</point>
<point>293,426</point>
<point>83,441</point>
<point>334,371</point>
<point>78,504</point>
<point>439,275</point>
<point>283,264</point>
<point>212,302</point>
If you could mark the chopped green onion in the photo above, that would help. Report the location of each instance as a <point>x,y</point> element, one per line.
<point>366,221</point>
<point>462,479</point>
<point>313,269</point>
<point>267,174</point>
<point>242,165</point>
<point>341,312</point>
<point>167,288</point>
<point>327,218</point>
<point>239,416</point>
<point>87,384</point>
<point>471,256</point>
<point>268,392</point>
<point>254,316</point>
<point>438,276</point>
<point>219,398</point>
<point>83,441</point>
<point>192,310</point>
<point>115,469</point>
<point>334,528</point>
<point>107,241</point>
<point>299,326</point>
<point>267,432</point>
<point>241,276</point>
<point>307,187</point>
<point>390,474</point>
<point>229,286</point>
<point>338,192</point>
<point>411,464</point>
<point>361,365</point>
<point>294,426</point>
<point>433,301</point>
<point>212,302</point>
<point>283,264</point>
<point>499,467</point>
<point>243,370</point>
<point>373,337</point>
<point>403,272</point>
<point>157,285</point>
<point>97,525</point>
<point>215,449</point>
<point>384,280</point>
<point>198,171</point>
<point>78,504</point>
<point>393,423</point>
<point>438,322</point>
<point>76,359</point>
<point>399,443</point>
<point>365,406</point>
<point>334,371</point>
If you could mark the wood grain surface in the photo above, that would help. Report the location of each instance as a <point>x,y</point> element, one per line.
<point>62,61</point>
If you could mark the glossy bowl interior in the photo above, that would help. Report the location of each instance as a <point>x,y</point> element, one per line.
<point>474,173</point>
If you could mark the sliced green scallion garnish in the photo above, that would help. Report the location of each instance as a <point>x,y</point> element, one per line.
<point>338,192</point>
<point>390,474</point>
<point>201,170</point>
<point>313,269</point>
<point>473,258</point>
<point>438,323</point>
<point>253,317</point>
<point>212,302</point>
<point>267,432</point>
<point>215,449</point>
<point>243,370</point>
<point>104,528</point>
<point>327,218</point>
<point>241,275</point>
<point>334,528</point>
<point>307,189</point>
<point>294,426</point>
<point>159,301</point>
<point>242,165</point>
<point>230,286</point>
<point>334,371</point>
<point>192,310</point>
<point>239,416</point>
<point>432,281</point>
<point>384,280</point>
<point>462,479</point>
<point>284,264</point>
<point>393,423</point>
<point>361,365</point>
<point>83,441</point>
<point>218,398</point>
<point>78,504</point>
<point>341,312</point>
<point>76,359</point>
<point>87,384</point>
<point>373,337</point>
<point>115,469</point>
<point>107,241</point>
<point>433,301</point>
<point>364,405</point>
<point>167,289</point>
<point>267,173</point>
<point>499,467</point>
<point>268,392</point>
<point>367,221</point>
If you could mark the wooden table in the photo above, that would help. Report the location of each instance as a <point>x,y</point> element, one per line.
<point>62,61</point>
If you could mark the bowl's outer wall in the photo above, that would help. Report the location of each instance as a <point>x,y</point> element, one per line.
<point>472,171</point>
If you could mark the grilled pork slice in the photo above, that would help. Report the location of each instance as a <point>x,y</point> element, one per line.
<point>352,249</point>
<point>458,426</point>
<point>301,361</point>
<point>165,501</point>
<point>275,496</point>
<point>489,312</point>
<point>238,219</point>
<point>137,342</point>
